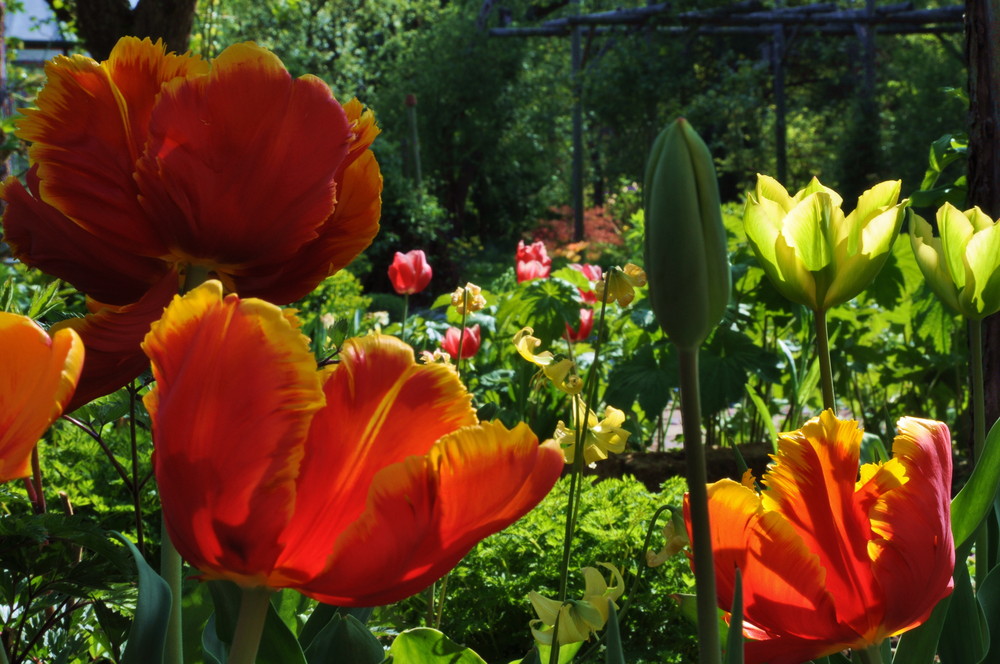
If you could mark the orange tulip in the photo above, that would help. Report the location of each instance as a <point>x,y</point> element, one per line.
<point>357,484</point>
<point>830,561</point>
<point>37,378</point>
<point>151,165</point>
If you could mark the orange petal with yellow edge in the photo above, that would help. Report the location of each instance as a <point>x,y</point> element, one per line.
<point>88,131</point>
<point>812,485</point>
<point>381,408</point>
<point>240,165</point>
<point>37,378</point>
<point>43,237</point>
<point>235,394</point>
<point>112,336</point>
<point>424,514</point>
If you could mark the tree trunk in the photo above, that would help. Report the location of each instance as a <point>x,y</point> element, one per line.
<point>101,23</point>
<point>982,43</point>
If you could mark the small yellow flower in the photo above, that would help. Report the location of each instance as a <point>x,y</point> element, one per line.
<point>558,370</point>
<point>578,619</point>
<point>676,535</point>
<point>602,436</point>
<point>468,298</point>
<point>622,283</point>
<point>437,357</point>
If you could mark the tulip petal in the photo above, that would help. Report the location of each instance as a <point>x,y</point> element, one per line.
<point>37,378</point>
<point>782,579</point>
<point>982,264</point>
<point>231,189</point>
<point>345,234</point>
<point>425,514</point>
<point>88,129</point>
<point>955,230</point>
<point>914,555</point>
<point>43,237</point>
<point>929,253</point>
<point>382,407</point>
<point>812,486</point>
<point>112,336</point>
<point>236,390</point>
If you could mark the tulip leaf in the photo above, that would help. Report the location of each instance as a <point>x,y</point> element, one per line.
<point>424,645</point>
<point>321,617</point>
<point>989,599</point>
<point>734,640</point>
<point>345,638</point>
<point>613,636</point>
<point>152,613</point>
<point>970,506</point>
<point>963,639</point>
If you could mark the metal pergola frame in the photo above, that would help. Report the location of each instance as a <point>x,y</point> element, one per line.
<point>748,17</point>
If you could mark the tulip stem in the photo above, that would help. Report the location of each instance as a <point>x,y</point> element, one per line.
<point>978,437</point>
<point>254,603</point>
<point>871,655</point>
<point>406,313</point>
<point>701,533</point>
<point>825,367</point>
<point>170,569</point>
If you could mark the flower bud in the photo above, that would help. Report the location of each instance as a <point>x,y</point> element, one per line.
<point>686,260</point>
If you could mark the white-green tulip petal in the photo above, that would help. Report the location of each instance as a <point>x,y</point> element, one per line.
<point>956,230</point>
<point>929,254</point>
<point>805,229</point>
<point>982,260</point>
<point>770,189</point>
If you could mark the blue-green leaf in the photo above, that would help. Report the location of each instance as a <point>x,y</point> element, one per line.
<point>152,613</point>
<point>424,645</point>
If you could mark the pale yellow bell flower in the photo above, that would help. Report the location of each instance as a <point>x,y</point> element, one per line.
<point>676,538</point>
<point>602,436</point>
<point>621,284</point>
<point>577,619</point>
<point>559,370</point>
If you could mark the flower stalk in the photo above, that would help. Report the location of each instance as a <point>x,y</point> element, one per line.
<point>701,532</point>
<point>254,603</point>
<point>825,366</point>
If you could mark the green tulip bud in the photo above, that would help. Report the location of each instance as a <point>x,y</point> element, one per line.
<point>812,253</point>
<point>962,266</point>
<point>686,261</point>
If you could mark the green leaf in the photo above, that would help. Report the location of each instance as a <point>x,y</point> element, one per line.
<point>424,645</point>
<point>734,640</point>
<point>989,599</point>
<point>765,415</point>
<point>322,615</point>
<point>963,639</point>
<point>545,305</point>
<point>345,639</point>
<point>613,636</point>
<point>152,613</point>
<point>970,506</point>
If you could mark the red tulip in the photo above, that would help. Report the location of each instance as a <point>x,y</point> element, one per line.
<point>470,342</point>
<point>37,378</point>
<point>150,166</point>
<point>586,326</point>
<point>593,273</point>
<point>829,561</point>
<point>358,484</point>
<point>532,262</point>
<point>409,272</point>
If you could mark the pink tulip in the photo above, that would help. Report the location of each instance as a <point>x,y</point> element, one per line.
<point>409,272</point>
<point>470,342</point>
<point>532,262</point>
